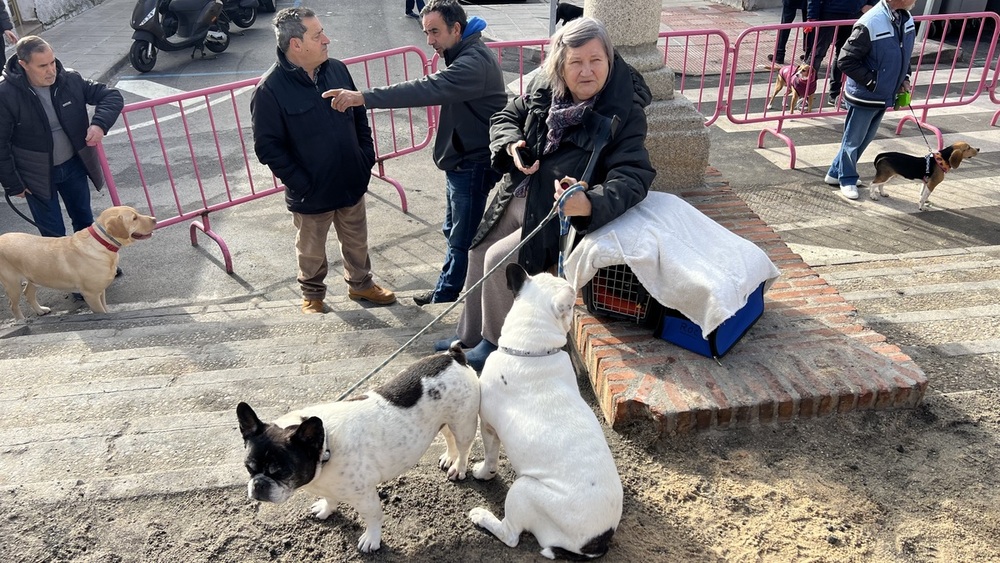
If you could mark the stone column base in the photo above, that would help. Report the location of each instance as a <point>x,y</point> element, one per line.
<point>678,144</point>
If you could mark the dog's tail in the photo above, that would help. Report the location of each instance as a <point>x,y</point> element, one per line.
<point>457,353</point>
<point>593,549</point>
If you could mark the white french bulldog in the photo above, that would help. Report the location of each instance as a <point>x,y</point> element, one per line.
<point>341,451</point>
<point>567,492</point>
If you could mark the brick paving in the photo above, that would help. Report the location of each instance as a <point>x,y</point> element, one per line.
<point>808,356</point>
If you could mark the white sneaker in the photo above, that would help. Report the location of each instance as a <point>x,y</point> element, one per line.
<point>850,192</point>
<point>831,180</point>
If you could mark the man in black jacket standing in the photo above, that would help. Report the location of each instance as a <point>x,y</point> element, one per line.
<point>324,157</point>
<point>47,139</point>
<point>469,89</point>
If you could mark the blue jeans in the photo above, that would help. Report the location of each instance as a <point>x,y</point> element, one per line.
<point>860,128</point>
<point>468,186</point>
<point>69,181</point>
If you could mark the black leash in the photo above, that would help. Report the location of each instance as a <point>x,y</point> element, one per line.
<point>42,230</point>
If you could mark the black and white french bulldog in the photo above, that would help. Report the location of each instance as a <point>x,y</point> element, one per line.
<point>567,492</point>
<point>341,451</point>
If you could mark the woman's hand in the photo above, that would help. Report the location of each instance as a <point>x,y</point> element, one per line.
<point>511,150</point>
<point>576,205</point>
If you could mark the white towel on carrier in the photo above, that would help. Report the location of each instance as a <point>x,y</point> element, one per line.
<point>684,259</point>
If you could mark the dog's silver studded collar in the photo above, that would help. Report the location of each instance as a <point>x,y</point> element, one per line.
<point>527,353</point>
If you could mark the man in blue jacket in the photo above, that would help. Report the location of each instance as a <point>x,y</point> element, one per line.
<point>324,157</point>
<point>47,138</point>
<point>876,60</point>
<point>470,89</point>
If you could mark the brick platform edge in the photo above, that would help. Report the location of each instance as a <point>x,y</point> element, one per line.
<point>808,356</point>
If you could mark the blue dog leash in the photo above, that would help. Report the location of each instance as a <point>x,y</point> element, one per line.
<point>566,244</point>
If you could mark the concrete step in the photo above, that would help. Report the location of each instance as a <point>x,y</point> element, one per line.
<point>143,402</point>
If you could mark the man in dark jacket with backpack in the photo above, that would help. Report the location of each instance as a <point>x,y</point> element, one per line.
<point>323,156</point>
<point>47,139</point>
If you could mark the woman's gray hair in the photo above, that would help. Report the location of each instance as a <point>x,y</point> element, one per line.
<point>570,36</point>
<point>288,25</point>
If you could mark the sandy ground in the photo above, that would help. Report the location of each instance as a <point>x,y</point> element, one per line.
<point>917,485</point>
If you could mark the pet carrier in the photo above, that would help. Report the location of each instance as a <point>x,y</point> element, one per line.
<point>615,292</point>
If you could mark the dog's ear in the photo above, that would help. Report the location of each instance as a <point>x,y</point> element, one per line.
<point>117,228</point>
<point>957,154</point>
<point>310,434</point>
<point>516,276</point>
<point>250,425</point>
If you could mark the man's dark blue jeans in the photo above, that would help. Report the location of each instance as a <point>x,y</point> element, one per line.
<point>69,181</point>
<point>468,186</point>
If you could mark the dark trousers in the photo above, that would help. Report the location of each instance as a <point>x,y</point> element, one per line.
<point>69,182</point>
<point>832,35</point>
<point>410,3</point>
<point>788,10</point>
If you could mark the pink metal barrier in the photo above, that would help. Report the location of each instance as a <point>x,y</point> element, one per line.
<point>205,134</point>
<point>205,138</point>
<point>994,95</point>
<point>943,76</point>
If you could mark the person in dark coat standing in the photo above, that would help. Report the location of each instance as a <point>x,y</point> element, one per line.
<point>583,80</point>
<point>469,89</point>
<point>831,10</point>
<point>6,25</point>
<point>323,156</point>
<point>47,139</point>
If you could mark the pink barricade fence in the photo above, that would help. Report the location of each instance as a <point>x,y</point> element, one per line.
<point>994,95</point>
<point>191,154</point>
<point>947,73</point>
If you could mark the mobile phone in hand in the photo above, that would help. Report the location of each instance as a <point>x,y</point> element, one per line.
<point>526,158</point>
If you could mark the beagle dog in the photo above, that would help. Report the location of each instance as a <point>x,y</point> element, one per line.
<point>930,169</point>
<point>799,80</point>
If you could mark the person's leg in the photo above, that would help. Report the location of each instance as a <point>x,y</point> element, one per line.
<point>815,54</point>
<point>71,182</point>
<point>467,190</point>
<point>788,9</point>
<point>471,322</point>
<point>860,128</point>
<point>47,215</point>
<point>310,251</point>
<point>351,224</point>
<point>837,76</point>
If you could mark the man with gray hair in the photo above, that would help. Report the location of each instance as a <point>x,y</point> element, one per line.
<point>47,138</point>
<point>324,157</point>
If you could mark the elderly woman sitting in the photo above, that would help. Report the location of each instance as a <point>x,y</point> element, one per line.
<point>582,76</point>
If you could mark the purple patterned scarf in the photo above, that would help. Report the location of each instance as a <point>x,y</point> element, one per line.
<point>563,114</point>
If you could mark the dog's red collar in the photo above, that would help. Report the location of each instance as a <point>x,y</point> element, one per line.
<point>941,162</point>
<point>110,245</point>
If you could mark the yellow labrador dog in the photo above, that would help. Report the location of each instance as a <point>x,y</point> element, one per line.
<point>84,261</point>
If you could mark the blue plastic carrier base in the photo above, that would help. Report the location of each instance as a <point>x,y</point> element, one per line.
<point>678,329</point>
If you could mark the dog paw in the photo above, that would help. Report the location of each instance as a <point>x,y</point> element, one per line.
<point>456,474</point>
<point>322,509</point>
<point>445,461</point>
<point>43,310</point>
<point>369,542</point>
<point>482,472</point>
<point>480,516</point>
<point>874,195</point>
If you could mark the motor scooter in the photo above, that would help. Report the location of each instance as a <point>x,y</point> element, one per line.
<point>173,25</point>
<point>243,13</point>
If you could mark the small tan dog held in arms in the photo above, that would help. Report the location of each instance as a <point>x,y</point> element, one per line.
<point>929,169</point>
<point>800,81</point>
<point>84,261</point>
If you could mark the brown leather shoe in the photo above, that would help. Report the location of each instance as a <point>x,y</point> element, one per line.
<point>310,306</point>
<point>375,294</point>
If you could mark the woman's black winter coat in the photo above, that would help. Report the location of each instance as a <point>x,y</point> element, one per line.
<point>621,178</point>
